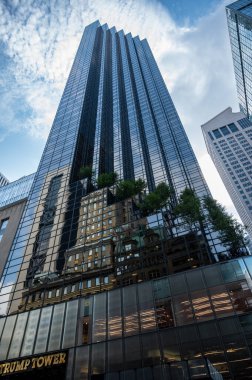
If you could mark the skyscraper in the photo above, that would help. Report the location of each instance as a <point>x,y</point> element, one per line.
<point>82,288</point>
<point>239,17</point>
<point>228,140</point>
<point>115,115</point>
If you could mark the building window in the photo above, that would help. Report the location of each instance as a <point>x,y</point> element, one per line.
<point>127,247</point>
<point>97,281</point>
<point>211,136</point>
<point>106,280</point>
<point>65,290</point>
<point>232,127</point>
<point>244,123</point>
<point>224,131</point>
<point>217,133</point>
<point>3,226</point>
<point>89,283</point>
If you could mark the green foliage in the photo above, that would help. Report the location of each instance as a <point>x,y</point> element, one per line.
<point>163,191</point>
<point>139,185</point>
<point>231,232</point>
<point>85,172</point>
<point>106,179</point>
<point>156,199</point>
<point>129,187</point>
<point>189,207</point>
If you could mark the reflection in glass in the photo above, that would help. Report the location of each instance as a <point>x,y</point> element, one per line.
<point>115,358</point>
<point>99,317</point>
<point>130,311</point>
<point>43,330</point>
<point>114,314</point>
<point>30,333</point>
<point>98,358</point>
<point>81,363</point>
<point>56,327</point>
<point>18,336</point>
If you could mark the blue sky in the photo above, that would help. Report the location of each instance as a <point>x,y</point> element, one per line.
<point>189,11</point>
<point>38,41</point>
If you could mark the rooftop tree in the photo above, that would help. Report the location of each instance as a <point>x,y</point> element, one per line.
<point>128,188</point>
<point>156,199</point>
<point>107,179</point>
<point>230,231</point>
<point>86,172</point>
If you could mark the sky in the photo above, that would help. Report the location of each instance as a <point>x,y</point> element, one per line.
<point>38,42</point>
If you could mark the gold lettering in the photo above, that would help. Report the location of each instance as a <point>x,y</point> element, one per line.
<point>7,368</point>
<point>56,359</point>
<point>20,366</point>
<point>40,361</point>
<point>62,358</point>
<point>26,363</point>
<point>48,360</point>
<point>12,366</point>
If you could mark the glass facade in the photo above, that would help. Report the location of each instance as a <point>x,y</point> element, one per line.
<point>239,17</point>
<point>16,191</point>
<point>183,326</point>
<point>88,271</point>
<point>3,180</point>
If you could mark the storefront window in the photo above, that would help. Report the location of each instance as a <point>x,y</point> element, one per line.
<point>98,358</point>
<point>132,352</point>
<point>170,345</point>
<point>151,352</point>
<point>241,296</point>
<point>18,336</point>
<point>99,317</point>
<point>221,301</point>
<point>114,314</point>
<point>195,280</point>
<point>81,363</point>
<point>201,306</point>
<point>233,270</point>
<point>43,330</point>
<point>115,356</point>
<point>146,307</point>
<point>213,276</point>
<point>182,310</point>
<point>131,323</point>
<point>30,333</point>
<point>56,327</point>
<point>70,324</point>
<point>190,344</point>
<point>178,284</point>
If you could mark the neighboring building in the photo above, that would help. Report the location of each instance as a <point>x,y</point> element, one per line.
<point>3,180</point>
<point>13,198</point>
<point>228,138</point>
<point>239,17</point>
<point>93,288</point>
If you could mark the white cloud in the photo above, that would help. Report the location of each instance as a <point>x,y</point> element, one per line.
<point>42,37</point>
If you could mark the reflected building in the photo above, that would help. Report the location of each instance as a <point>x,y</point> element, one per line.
<point>95,287</point>
<point>239,18</point>
<point>228,139</point>
<point>13,197</point>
